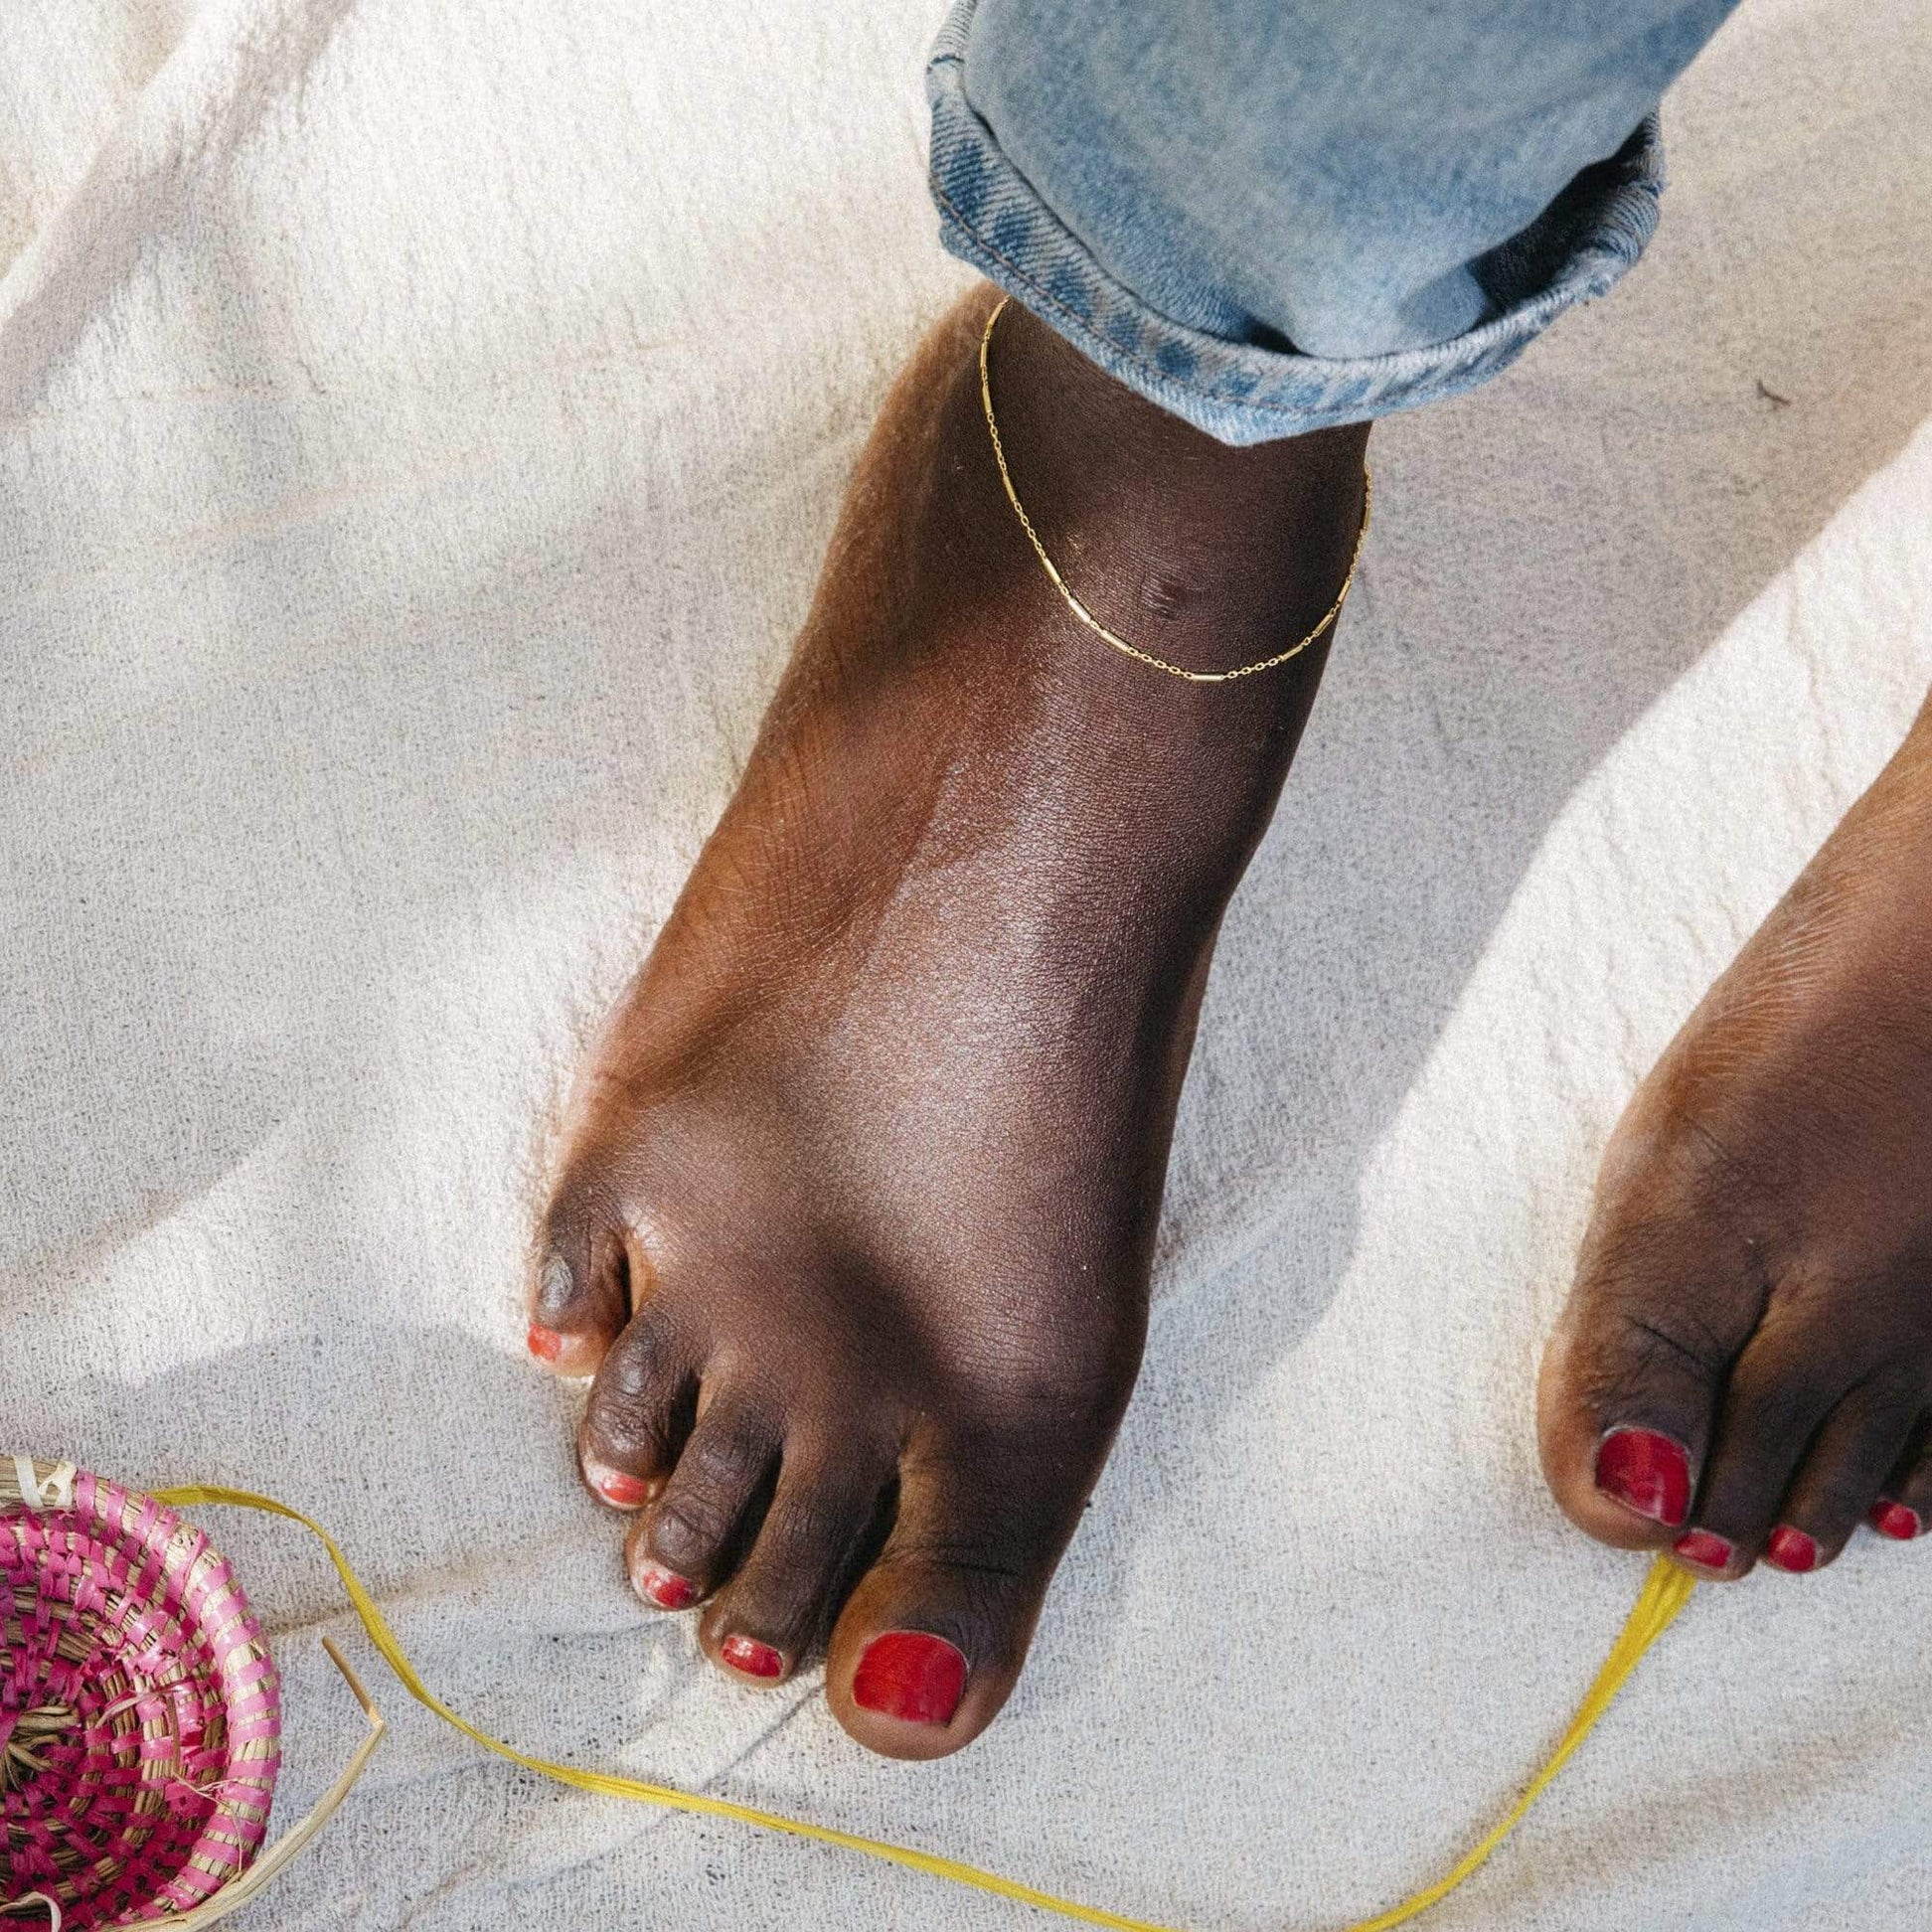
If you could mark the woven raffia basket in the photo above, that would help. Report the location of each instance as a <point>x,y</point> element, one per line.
<point>140,1715</point>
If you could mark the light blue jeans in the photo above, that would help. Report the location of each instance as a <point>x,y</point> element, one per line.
<point>1270,215</point>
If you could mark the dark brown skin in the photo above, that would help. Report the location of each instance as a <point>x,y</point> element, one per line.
<point>866,1173</point>
<point>1756,1282</point>
<point>859,1194</point>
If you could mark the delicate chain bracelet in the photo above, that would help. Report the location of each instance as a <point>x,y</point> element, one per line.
<point>1086,616</point>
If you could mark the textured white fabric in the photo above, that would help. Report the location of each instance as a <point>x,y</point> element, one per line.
<point>418,426</point>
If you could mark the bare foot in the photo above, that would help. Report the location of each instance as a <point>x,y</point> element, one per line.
<point>855,1212</point>
<point>1745,1367</point>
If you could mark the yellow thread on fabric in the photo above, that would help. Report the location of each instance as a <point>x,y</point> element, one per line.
<point>1665,1591</point>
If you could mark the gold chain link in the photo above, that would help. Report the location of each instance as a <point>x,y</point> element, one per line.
<point>1086,616</point>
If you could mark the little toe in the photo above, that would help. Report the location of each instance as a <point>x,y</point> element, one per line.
<point>777,1609</point>
<point>1904,1505</point>
<point>690,1537</point>
<point>933,1637</point>
<point>580,1297</point>
<point>640,1412</point>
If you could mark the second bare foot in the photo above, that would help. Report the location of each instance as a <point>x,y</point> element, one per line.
<point>1744,1370</point>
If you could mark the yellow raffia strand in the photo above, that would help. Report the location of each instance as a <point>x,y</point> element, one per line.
<point>1665,1591</point>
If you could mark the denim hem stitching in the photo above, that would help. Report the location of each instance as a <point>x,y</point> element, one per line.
<point>1622,227</point>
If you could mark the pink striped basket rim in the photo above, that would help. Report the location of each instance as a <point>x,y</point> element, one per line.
<point>140,1713</point>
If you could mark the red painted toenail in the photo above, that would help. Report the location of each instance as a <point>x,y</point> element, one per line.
<point>627,1492</point>
<point>1895,1521</point>
<point>666,1589</point>
<point>754,1659</point>
<point>1645,1472</point>
<point>545,1344</point>
<point>906,1674</point>
<point>1699,1547</point>
<point>1791,1549</point>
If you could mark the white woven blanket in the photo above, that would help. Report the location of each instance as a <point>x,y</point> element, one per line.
<point>418,426</point>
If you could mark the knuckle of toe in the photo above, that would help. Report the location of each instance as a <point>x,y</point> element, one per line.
<point>687,1530</point>
<point>622,1432</point>
<point>782,1608</point>
<point>1676,1343</point>
<point>987,1613</point>
<point>802,1529</point>
<point>985,1558</point>
<point>728,1457</point>
<point>638,1364</point>
<point>1637,1314</point>
<point>1649,1368</point>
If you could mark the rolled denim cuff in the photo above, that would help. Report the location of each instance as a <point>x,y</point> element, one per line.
<point>1243,391</point>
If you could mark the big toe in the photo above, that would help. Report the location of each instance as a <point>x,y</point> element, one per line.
<point>932,1639</point>
<point>1634,1371</point>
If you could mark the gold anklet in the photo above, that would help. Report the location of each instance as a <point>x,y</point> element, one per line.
<point>1086,616</point>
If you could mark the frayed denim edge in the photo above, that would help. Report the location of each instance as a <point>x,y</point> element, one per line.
<point>1236,391</point>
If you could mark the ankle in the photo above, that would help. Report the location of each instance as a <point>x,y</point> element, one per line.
<point>1199,552</point>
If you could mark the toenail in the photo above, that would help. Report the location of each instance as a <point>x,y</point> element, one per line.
<point>908,1675</point>
<point>1645,1472</point>
<point>1791,1549</point>
<point>545,1344</point>
<point>1699,1547</point>
<point>615,1486</point>
<point>754,1659</point>
<point>666,1589</point>
<point>1895,1521</point>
